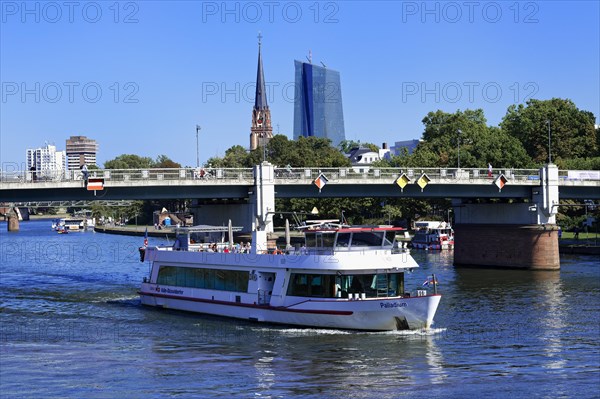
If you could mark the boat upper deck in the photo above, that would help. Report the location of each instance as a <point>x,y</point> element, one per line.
<point>347,239</point>
<point>319,240</point>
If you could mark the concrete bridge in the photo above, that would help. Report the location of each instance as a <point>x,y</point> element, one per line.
<point>132,184</point>
<point>520,234</point>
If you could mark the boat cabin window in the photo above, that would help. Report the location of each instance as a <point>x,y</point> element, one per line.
<point>390,237</point>
<point>320,239</point>
<point>342,286</point>
<point>367,239</point>
<point>224,280</point>
<point>343,240</point>
<point>373,285</point>
<point>312,285</point>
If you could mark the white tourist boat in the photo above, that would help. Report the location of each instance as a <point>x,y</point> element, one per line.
<point>343,277</point>
<point>73,223</point>
<point>433,235</point>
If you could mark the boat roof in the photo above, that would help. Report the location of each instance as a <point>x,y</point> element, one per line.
<point>354,229</point>
<point>432,224</point>
<point>204,228</point>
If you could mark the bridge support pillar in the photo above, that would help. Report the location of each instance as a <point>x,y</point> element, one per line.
<point>511,235</point>
<point>13,220</point>
<point>533,247</point>
<point>262,201</point>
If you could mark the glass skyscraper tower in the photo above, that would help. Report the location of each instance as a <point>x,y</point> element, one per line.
<point>318,103</point>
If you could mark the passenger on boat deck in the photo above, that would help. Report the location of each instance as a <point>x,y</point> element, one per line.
<point>356,286</point>
<point>177,244</point>
<point>303,250</point>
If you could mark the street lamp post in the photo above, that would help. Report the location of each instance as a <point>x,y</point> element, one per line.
<point>458,151</point>
<point>197,150</point>
<point>549,149</point>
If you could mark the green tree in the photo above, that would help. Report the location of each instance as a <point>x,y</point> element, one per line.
<point>129,161</point>
<point>391,211</point>
<point>347,145</point>
<point>479,144</point>
<point>280,151</point>
<point>306,151</point>
<point>579,163</point>
<point>235,157</point>
<point>163,161</point>
<point>572,131</point>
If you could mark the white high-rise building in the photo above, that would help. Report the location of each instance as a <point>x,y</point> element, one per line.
<point>46,162</point>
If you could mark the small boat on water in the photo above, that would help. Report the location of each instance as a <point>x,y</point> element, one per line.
<point>342,277</point>
<point>73,223</point>
<point>433,235</point>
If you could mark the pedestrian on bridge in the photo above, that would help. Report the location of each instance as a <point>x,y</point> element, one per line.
<point>84,172</point>
<point>489,170</point>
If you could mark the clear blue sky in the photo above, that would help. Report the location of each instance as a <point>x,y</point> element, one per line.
<point>163,67</point>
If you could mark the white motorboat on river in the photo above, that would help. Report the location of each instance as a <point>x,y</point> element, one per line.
<point>73,224</point>
<point>433,235</point>
<point>342,277</point>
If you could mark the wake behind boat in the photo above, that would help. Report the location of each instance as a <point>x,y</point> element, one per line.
<point>342,277</point>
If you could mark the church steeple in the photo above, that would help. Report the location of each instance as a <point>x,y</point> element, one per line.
<point>261,130</point>
<point>260,100</point>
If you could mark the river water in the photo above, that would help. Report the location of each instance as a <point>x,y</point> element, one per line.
<point>71,326</point>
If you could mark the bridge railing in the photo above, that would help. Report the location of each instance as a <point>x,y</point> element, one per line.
<point>291,175</point>
<point>369,173</point>
<point>171,174</point>
<point>238,174</point>
<point>34,176</point>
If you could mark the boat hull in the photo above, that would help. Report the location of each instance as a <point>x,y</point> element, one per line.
<point>371,314</point>
<point>433,246</point>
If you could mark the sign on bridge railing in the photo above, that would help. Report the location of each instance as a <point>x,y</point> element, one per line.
<point>95,184</point>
